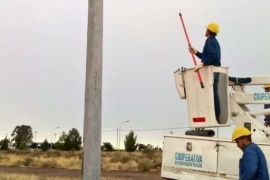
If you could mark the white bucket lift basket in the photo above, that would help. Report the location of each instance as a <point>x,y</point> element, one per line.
<point>200,101</point>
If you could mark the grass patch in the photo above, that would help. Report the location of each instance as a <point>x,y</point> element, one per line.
<point>9,176</point>
<point>137,161</point>
<point>49,164</point>
<point>116,160</point>
<point>145,165</point>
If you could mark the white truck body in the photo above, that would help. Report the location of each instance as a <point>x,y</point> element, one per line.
<point>196,157</point>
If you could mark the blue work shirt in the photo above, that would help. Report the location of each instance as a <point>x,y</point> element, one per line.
<point>211,52</point>
<point>253,165</point>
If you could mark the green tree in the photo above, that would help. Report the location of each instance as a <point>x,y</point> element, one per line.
<point>59,146</point>
<point>149,151</point>
<point>45,145</point>
<point>63,137</point>
<point>107,147</point>
<point>141,147</point>
<point>4,144</point>
<point>130,142</point>
<point>73,140</point>
<point>22,135</point>
<point>60,143</point>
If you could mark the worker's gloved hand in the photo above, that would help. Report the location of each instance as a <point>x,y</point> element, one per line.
<point>192,50</point>
<point>198,66</point>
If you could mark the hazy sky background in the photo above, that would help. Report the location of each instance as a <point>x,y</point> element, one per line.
<point>43,56</point>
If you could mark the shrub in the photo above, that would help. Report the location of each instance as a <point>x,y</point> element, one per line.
<point>157,164</point>
<point>49,164</point>
<point>38,163</point>
<point>36,153</point>
<point>28,161</point>
<point>53,153</point>
<point>115,158</point>
<point>150,153</point>
<point>69,154</point>
<point>11,151</point>
<point>125,159</point>
<point>2,157</point>
<point>80,155</point>
<point>141,147</point>
<point>145,165</point>
<point>18,163</point>
<point>22,152</point>
<point>107,146</point>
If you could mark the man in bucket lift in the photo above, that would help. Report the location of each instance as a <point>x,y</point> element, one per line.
<point>252,165</point>
<point>266,106</point>
<point>211,56</point>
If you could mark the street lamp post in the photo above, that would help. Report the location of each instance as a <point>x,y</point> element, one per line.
<point>55,134</point>
<point>120,133</point>
<point>52,135</point>
<point>116,138</point>
<point>36,139</point>
<point>35,136</point>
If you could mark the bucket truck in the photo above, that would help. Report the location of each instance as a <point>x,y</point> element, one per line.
<point>199,153</point>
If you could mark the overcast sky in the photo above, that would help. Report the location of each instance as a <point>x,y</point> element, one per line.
<point>43,56</point>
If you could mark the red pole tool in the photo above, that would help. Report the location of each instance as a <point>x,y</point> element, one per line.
<point>193,56</point>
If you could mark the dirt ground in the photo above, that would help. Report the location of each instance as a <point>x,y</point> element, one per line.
<point>47,172</point>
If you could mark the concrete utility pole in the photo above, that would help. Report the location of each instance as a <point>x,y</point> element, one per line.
<point>93,89</point>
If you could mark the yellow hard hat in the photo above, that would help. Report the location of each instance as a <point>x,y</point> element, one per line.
<point>266,86</point>
<point>213,27</point>
<point>239,132</point>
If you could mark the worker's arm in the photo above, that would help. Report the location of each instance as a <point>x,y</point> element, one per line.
<point>209,54</point>
<point>249,165</point>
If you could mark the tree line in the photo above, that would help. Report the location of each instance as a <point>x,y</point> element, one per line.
<point>131,145</point>
<point>22,138</point>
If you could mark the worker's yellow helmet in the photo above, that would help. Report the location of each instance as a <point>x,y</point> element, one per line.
<point>213,27</point>
<point>240,132</point>
<point>266,86</point>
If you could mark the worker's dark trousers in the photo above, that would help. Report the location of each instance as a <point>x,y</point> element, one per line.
<point>216,97</point>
